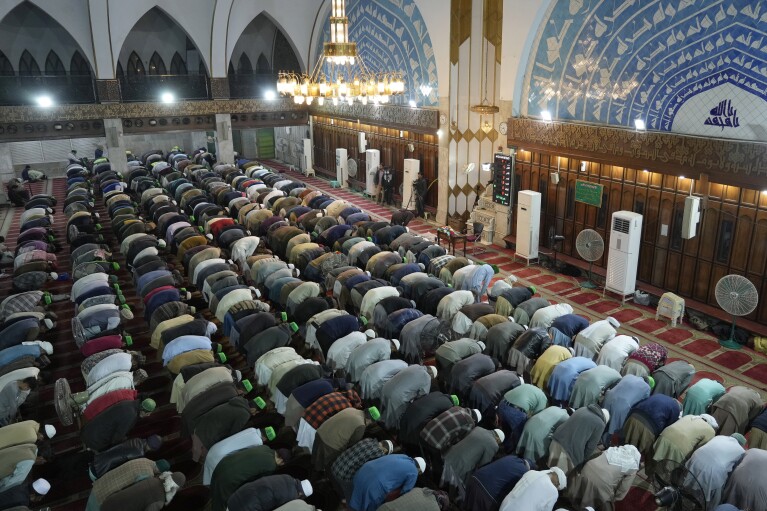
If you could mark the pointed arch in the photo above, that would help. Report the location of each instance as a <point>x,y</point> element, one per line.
<point>262,65</point>
<point>177,65</point>
<point>244,66</point>
<point>53,65</point>
<point>168,24</point>
<point>135,66</point>
<point>120,74</point>
<point>230,71</point>
<point>28,65</point>
<point>78,66</point>
<point>6,68</point>
<point>156,65</point>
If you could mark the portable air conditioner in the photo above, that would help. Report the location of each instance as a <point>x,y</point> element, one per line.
<point>363,144</point>
<point>372,162</point>
<point>623,257</point>
<point>306,158</point>
<point>410,173</point>
<point>528,224</point>
<point>342,167</point>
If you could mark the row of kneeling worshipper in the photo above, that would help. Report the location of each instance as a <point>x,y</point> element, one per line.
<point>26,318</point>
<point>318,355</point>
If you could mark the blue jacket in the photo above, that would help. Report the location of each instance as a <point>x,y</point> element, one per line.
<point>659,411</point>
<point>377,478</point>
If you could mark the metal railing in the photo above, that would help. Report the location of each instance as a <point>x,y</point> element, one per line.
<point>152,87</point>
<point>24,90</point>
<point>247,86</point>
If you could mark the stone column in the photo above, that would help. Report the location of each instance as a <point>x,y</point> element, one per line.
<point>113,128</point>
<point>224,142</point>
<point>219,88</point>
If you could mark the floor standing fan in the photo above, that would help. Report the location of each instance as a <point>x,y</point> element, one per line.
<point>351,165</point>
<point>737,296</point>
<point>590,247</point>
<point>676,488</point>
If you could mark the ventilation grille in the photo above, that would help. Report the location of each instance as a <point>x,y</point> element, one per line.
<point>621,225</point>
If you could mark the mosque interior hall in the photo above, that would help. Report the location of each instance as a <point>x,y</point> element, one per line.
<point>383,255</point>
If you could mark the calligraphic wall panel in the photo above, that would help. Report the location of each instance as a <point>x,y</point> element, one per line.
<point>731,236</point>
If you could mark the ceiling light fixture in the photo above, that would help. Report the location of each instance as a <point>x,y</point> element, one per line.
<point>546,116</point>
<point>347,76</point>
<point>44,101</point>
<point>640,124</point>
<point>167,97</point>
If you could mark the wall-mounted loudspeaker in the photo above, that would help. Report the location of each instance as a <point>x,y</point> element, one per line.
<point>555,178</point>
<point>691,217</point>
<point>362,142</point>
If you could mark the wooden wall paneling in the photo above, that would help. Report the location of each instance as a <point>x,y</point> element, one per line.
<point>707,231</point>
<point>758,257</point>
<point>741,247</point>
<point>717,272</point>
<point>673,266</point>
<point>687,276</point>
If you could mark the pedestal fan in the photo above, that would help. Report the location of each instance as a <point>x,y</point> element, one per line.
<point>737,296</point>
<point>676,488</point>
<point>590,247</point>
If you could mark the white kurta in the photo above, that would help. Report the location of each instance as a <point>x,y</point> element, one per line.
<point>538,495</point>
<point>616,351</point>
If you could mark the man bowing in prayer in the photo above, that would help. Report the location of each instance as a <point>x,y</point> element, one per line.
<point>536,491</point>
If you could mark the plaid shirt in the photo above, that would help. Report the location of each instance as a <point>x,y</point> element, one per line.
<point>21,302</point>
<point>437,263</point>
<point>447,428</point>
<point>30,280</point>
<point>350,461</point>
<point>325,407</point>
<point>121,477</point>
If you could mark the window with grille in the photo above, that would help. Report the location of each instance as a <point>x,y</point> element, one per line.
<point>244,66</point>
<point>156,65</point>
<point>78,66</point>
<point>28,65</point>
<point>53,65</point>
<point>135,66</point>
<point>177,65</point>
<point>6,68</point>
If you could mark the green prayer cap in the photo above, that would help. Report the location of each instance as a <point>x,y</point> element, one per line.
<point>222,357</point>
<point>374,413</point>
<point>148,405</point>
<point>260,403</point>
<point>270,434</point>
<point>455,399</point>
<point>248,386</point>
<point>364,320</point>
<point>294,327</point>
<point>284,316</point>
<point>651,382</point>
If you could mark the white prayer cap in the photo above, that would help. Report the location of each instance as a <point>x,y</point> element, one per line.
<point>501,436</point>
<point>521,379</point>
<point>711,420</point>
<point>432,370</point>
<point>477,414</point>
<point>306,488</point>
<point>46,346</point>
<point>370,333</point>
<point>389,446</point>
<point>54,275</point>
<point>396,344</point>
<point>41,486</point>
<point>161,243</point>
<point>614,322</point>
<point>422,266</point>
<point>48,323</point>
<point>561,477</point>
<point>291,266</point>
<point>50,430</point>
<point>606,415</point>
<point>481,345</point>
<point>421,464</point>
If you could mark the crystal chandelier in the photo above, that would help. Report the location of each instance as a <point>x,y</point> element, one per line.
<point>340,56</point>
